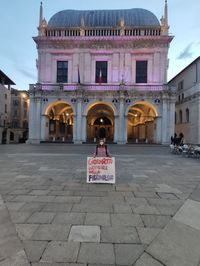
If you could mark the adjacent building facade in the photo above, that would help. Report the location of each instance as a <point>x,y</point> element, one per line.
<point>102,74</point>
<point>14,112</point>
<point>19,116</point>
<point>5,112</point>
<point>187,115</point>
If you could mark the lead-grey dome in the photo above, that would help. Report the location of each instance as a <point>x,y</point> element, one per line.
<point>103,18</point>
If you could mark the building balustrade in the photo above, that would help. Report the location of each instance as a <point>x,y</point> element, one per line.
<point>102,32</point>
<point>95,87</point>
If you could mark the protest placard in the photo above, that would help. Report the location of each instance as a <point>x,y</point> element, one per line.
<point>101,170</point>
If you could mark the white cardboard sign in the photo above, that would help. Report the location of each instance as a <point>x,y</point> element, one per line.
<point>101,170</point>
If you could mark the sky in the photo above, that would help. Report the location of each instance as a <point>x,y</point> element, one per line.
<point>19,21</point>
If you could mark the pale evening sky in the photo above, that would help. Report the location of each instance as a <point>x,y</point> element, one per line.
<point>19,21</point>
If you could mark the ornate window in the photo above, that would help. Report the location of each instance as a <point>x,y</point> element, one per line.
<point>141,71</point>
<point>62,71</point>
<point>101,72</point>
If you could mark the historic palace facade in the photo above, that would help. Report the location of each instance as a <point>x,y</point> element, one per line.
<point>102,74</point>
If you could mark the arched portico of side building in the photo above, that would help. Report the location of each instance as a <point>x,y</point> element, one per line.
<point>141,122</point>
<point>57,122</point>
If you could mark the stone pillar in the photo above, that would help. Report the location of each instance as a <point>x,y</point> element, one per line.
<point>74,128</point>
<point>116,129</point>
<point>158,137</point>
<point>165,121</point>
<point>125,137</point>
<point>171,126</point>
<point>34,121</point>
<point>84,128</point>
<point>44,128</point>
<point>79,121</point>
<point>121,139</point>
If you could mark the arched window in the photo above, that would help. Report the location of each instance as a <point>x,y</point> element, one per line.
<point>175,118</point>
<point>180,117</point>
<point>187,114</point>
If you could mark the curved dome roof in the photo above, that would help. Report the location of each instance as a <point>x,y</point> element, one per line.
<point>103,18</point>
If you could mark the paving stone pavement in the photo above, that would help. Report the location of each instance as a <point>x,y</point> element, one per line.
<point>50,216</point>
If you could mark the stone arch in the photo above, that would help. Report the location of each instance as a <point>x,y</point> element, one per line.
<point>147,103</point>
<point>49,105</point>
<point>90,105</point>
<point>97,116</point>
<point>141,122</point>
<point>58,121</point>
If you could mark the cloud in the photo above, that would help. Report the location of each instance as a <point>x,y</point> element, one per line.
<point>186,53</point>
<point>27,74</point>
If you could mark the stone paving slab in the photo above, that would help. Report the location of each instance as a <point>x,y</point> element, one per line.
<point>57,264</point>
<point>92,207</point>
<point>96,253</point>
<point>19,216</point>
<point>127,254</point>
<point>126,220</point>
<point>34,249</point>
<point>17,259</point>
<point>144,209</point>
<point>41,217</point>
<point>69,218</point>
<point>177,245</point>
<point>57,207</point>
<point>147,235</point>
<point>98,219</point>
<point>84,233</point>
<point>122,208</point>
<point>119,234</point>
<point>11,248</point>
<point>155,221</point>
<point>25,231</point>
<point>189,214</point>
<point>60,251</point>
<point>51,232</point>
<point>31,206</point>
<point>147,260</point>
<point>164,188</point>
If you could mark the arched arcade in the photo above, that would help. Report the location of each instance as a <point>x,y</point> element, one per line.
<point>100,121</point>
<point>57,122</point>
<point>141,122</point>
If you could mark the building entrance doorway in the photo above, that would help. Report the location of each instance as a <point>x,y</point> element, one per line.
<point>142,123</point>
<point>100,123</point>
<point>60,122</point>
<point>4,137</point>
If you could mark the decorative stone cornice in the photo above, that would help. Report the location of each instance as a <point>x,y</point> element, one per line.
<point>103,42</point>
<point>189,98</point>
